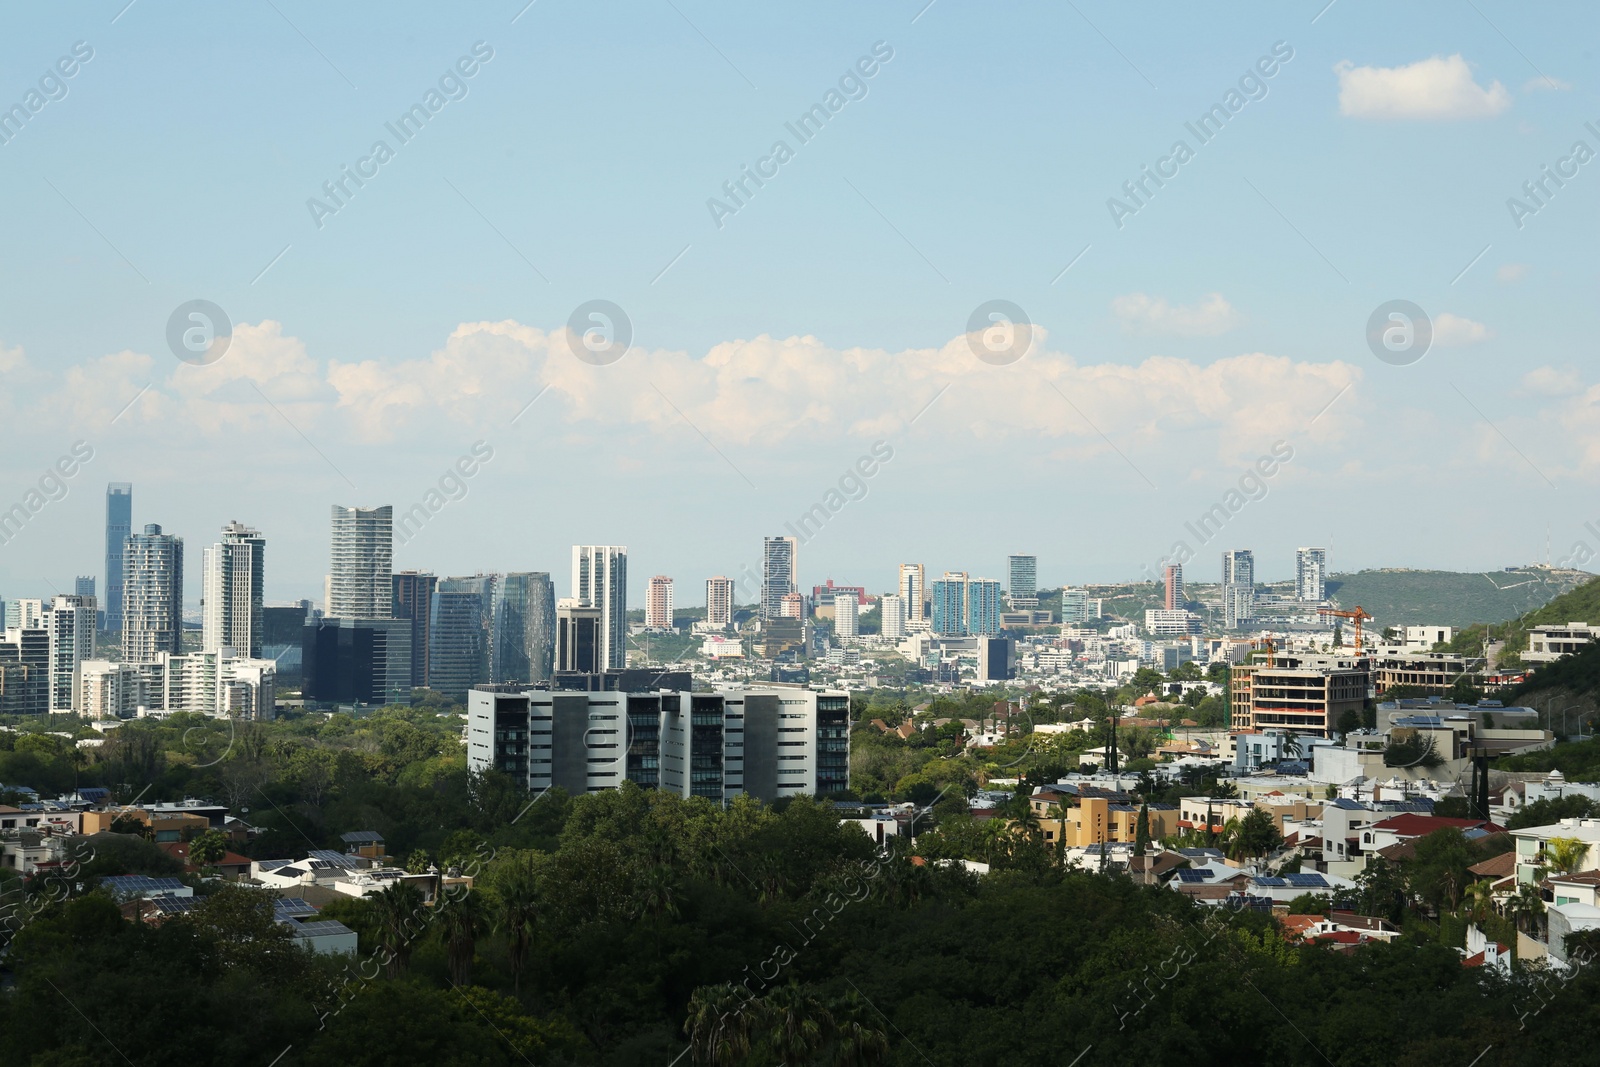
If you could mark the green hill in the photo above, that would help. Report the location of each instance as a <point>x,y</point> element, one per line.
<point>1399,597</point>
<point>1576,605</point>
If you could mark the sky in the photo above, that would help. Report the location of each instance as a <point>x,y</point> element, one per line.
<point>1185,332</point>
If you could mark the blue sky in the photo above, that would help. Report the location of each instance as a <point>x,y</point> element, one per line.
<point>770,353</point>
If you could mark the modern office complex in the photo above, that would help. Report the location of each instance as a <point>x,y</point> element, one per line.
<point>950,604</point>
<point>152,595</point>
<point>600,580</point>
<point>71,622</point>
<point>1024,581</point>
<point>233,579</point>
<point>524,628</point>
<point>719,601</point>
<point>1075,607</point>
<point>779,576</point>
<point>1174,597</point>
<point>914,589</point>
<point>1311,574</point>
<point>119,524</point>
<point>578,641</point>
<point>983,607</point>
<point>768,742</point>
<point>412,600</point>
<point>25,671</point>
<point>360,578</point>
<point>658,603</point>
<point>1238,587</point>
<point>357,661</point>
<point>459,633</point>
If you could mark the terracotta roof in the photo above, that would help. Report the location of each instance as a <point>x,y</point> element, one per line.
<point>1582,878</point>
<point>1410,824</point>
<point>1296,925</point>
<point>1400,851</point>
<point>1495,866</point>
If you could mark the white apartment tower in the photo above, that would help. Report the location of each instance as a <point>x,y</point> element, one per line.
<point>846,616</point>
<point>892,616</point>
<point>778,574</point>
<point>1311,575</point>
<point>232,583</point>
<point>600,580</point>
<point>658,603</point>
<point>71,621</point>
<point>1238,587</point>
<point>914,590</point>
<point>719,601</point>
<point>360,579</point>
<point>152,595</point>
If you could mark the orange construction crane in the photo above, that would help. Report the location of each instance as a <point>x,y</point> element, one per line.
<point>1356,615</point>
<point>1272,650</point>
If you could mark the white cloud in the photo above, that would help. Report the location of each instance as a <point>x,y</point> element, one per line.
<point>1545,84</point>
<point>1511,272</point>
<point>1450,330</point>
<point>1147,314</point>
<point>1436,88</point>
<point>1552,381</point>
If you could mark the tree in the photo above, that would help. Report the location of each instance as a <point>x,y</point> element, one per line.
<point>1525,907</point>
<point>1438,874</point>
<point>1141,831</point>
<point>208,848</point>
<point>518,915</point>
<point>1565,855</point>
<point>1480,899</point>
<point>719,1027</point>
<point>460,919</point>
<point>1257,833</point>
<point>1349,721</point>
<point>400,910</point>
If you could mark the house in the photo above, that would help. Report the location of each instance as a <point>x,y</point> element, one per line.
<point>1285,888</point>
<point>1564,920</point>
<point>324,936</point>
<point>1155,868</point>
<point>231,865</point>
<point>131,886</point>
<point>1574,888</point>
<point>1103,818</point>
<point>1409,826</point>
<point>1531,842</point>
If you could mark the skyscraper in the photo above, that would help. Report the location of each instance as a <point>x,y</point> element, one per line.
<point>892,616</point>
<point>950,604</point>
<point>719,601</point>
<point>524,627</point>
<point>459,629</point>
<point>1174,599</point>
<point>71,622</point>
<point>83,585</point>
<point>914,589</point>
<point>658,603</point>
<point>1311,574</point>
<point>152,595</point>
<point>578,644</point>
<point>360,580</point>
<point>778,574</point>
<point>846,616</point>
<point>983,607</point>
<point>1024,589</point>
<point>231,592</point>
<point>600,580</point>
<point>413,601</point>
<point>119,524</point>
<point>1238,587</point>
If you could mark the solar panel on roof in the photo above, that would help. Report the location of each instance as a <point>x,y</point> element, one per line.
<point>174,905</point>
<point>291,907</point>
<point>319,929</point>
<point>1273,882</point>
<point>1307,881</point>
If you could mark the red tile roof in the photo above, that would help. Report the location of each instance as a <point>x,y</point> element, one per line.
<point>1410,824</point>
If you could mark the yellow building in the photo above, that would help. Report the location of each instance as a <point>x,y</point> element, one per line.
<point>1100,819</point>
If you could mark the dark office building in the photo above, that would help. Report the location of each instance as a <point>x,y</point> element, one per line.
<point>413,600</point>
<point>458,635</point>
<point>119,524</point>
<point>578,639</point>
<point>25,673</point>
<point>357,661</point>
<point>524,627</point>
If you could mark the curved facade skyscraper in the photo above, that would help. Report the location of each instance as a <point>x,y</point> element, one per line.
<point>152,595</point>
<point>524,627</point>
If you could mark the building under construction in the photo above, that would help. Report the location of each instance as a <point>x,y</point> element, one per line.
<point>1306,694</point>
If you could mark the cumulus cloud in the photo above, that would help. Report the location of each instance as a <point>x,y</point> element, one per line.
<point>1552,381</point>
<point>1451,329</point>
<point>1441,87</point>
<point>1142,313</point>
<point>1546,84</point>
<point>1511,272</point>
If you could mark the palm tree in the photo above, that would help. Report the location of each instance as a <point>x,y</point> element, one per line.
<point>1526,904</point>
<point>656,895</point>
<point>1480,899</point>
<point>856,1042</point>
<point>518,914</point>
<point>795,1023</point>
<point>1565,854</point>
<point>460,921</point>
<point>399,909</point>
<point>718,1026</point>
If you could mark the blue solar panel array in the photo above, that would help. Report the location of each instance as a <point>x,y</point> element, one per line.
<point>1194,877</point>
<point>132,885</point>
<point>1276,883</point>
<point>291,908</point>
<point>1307,881</point>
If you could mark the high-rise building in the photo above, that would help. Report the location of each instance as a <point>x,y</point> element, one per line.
<point>71,622</point>
<point>110,690</point>
<point>719,601</point>
<point>913,589</point>
<point>1238,587</point>
<point>233,580</point>
<point>600,580</point>
<point>119,525</point>
<point>1024,589</point>
<point>778,574</point>
<point>792,606</point>
<point>892,616</point>
<point>658,603</point>
<point>579,646</point>
<point>83,585</point>
<point>283,632</point>
<point>950,605</point>
<point>413,601</point>
<point>1075,607</point>
<point>152,595</point>
<point>360,661</point>
<point>524,628</point>
<point>846,616</point>
<point>459,629</point>
<point>983,607</point>
<point>1174,599</point>
<point>360,579</point>
<point>25,613</point>
<point>25,671</point>
<point>1311,575</point>
<point>767,742</point>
